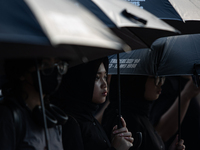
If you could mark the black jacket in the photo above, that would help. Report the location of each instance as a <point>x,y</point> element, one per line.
<point>134,109</point>
<point>136,121</point>
<point>82,130</point>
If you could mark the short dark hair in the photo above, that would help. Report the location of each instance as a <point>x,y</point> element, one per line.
<point>14,69</point>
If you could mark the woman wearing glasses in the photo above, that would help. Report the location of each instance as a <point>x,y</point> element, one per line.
<point>137,93</point>
<point>21,122</point>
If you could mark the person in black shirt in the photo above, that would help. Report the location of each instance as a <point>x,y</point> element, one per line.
<point>137,94</point>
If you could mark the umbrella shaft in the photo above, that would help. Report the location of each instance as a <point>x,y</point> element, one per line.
<point>43,108</point>
<point>179,111</point>
<point>119,93</point>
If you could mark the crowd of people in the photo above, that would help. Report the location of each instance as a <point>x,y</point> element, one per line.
<point>72,97</point>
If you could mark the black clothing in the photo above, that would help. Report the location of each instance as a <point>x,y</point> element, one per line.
<point>190,127</point>
<point>75,98</point>
<point>33,135</point>
<point>92,134</point>
<point>72,137</point>
<point>170,91</point>
<point>134,109</point>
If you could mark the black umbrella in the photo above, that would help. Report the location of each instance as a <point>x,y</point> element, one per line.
<point>181,54</point>
<point>169,56</point>
<point>184,15</point>
<point>45,28</point>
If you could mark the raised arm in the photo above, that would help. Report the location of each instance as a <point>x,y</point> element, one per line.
<point>168,124</point>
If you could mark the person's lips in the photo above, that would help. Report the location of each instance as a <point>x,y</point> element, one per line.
<point>159,91</point>
<point>105,93</point>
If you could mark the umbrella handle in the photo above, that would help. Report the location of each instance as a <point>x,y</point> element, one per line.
<point>133,17</point>
<point>119,122</point>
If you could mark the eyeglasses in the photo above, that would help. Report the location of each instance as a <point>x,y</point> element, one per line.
<point>48,67</point>
<point>195,75</point>
<point>196,81</point>
<point>159,80</point>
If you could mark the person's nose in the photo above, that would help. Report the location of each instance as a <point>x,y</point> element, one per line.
<point>159,84</point>
<point>104,83</point>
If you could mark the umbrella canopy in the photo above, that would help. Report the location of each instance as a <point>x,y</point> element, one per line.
<point>168,56</point>
<point>137,27</point>
<point>184,15</point>
<point>137,62</point>
<point>59,29</point>
<point>180,55</point>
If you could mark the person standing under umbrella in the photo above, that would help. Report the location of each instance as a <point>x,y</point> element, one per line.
<point>19,129</point>
<point>137,93</point>
<point>164,111</point>
<point>82,89</point>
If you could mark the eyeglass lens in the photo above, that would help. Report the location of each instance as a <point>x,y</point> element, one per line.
<point>48,67</point>
<point>159,80</point>
<point>62,67</point>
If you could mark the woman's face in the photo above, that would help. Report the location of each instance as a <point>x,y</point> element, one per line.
<point>100,86</point>
<point>152,91</point>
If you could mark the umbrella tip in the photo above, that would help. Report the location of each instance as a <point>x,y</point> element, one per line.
<point>177,31</point>
<point>126,48</point>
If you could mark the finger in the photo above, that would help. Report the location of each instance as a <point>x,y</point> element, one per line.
<point>175,140</point>
<point>130,139</point>
<point>181,147</point>
<point>181,142</point>
<point>121,130</point>
<point>123,122</point>
<point>115,127</point>
<point>125,134</point>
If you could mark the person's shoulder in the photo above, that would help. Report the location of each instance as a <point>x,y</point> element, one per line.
<point>9,108</point>
<point>71,128</point>
<point>5,110</point>
<point>5,114</point>
<point>71,122</point>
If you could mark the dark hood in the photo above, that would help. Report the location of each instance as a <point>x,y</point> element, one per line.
<point>76,90</point>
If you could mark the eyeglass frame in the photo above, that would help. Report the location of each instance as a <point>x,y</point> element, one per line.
<point>159,80</point>
<point>195,76</point>
<point>65,66</point>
